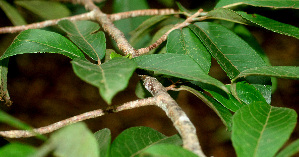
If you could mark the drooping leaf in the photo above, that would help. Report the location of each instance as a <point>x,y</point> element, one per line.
<point>104,140</point>
<point>271,25</point>
<point>258,3</point>
<point>166,150</point>
<point>177,65</point>
<point>45,9</point>
<point>75,140</point>
<point>232,53</point>
<point>290,150</point>
<point>84,34</point>
<point>248,93</point>
<point>257,129</point>
<point>4,95</point>
<point>16,149</point>
<point>226,14</point>
<point>184,41</point>
<point>110,77</point>
<point>134,140</point>
<point>35,41</point>
<point>12,13</point>
<point>223,113</point>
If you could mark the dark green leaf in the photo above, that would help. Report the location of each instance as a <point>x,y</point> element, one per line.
<point>232,53</point>
<point>167,3</point>
<point>4,95</point>
<point>84,34</point>
<point>248,93</point>
<point>45,9</point>
<point>12,13</point>
<point>226,14</point>
<point>290,150</point>
<point>110,77</point>
<point>271,25</point>
<point>258,3</point>
<point>166,150</point>
<point>35,41</point>
<point>177,65</point>
<point>182,8</point>
<point>184,41</point>
<point>104,140</point>
<point>16,150</point>
<point>260,129</point>
<point>134,140</point>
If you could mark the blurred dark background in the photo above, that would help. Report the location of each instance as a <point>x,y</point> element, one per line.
<point>44,90</point>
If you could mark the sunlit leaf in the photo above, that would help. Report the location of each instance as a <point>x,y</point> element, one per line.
<point>12,13</point>
<point>104,140</point>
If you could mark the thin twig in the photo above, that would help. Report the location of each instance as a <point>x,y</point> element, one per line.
<point>145,12</point>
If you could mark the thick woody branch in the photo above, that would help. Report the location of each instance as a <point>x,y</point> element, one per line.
<point>180,120</point>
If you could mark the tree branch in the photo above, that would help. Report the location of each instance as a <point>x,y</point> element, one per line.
<point>145,12</point>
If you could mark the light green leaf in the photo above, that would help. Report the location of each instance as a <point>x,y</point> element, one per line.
<point>290,150</point>
<point>45,9</point>
<point>184,41</point>
<point>35,41</point>
<point>84,34</point>
<point>16,150</point>
<point>177,65</point>
<point>232,53</point>
<point>12,13</point>
<point>110,77</point>
<point>136,139</point>
<point>75,140</point>
<point>166,150</point>
<point>260,130</point>
<point>271,25</point>
<point>104,140</point>
<point>275,4</point>
<point>226,14</point>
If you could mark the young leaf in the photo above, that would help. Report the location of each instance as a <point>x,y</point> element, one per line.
<point>134,140</point>
<point>166,150</point>
<point>260,129</point>
<point>226,14</point>
<point>45,9</point>
<point>104,140</point>
<point>16,149</point>
<point>84,34</point>
<point>12,13</point>
<point>271,25</point>
<point>232,53</point>
<point>110,77</point>
<point>184,41</point>
<point>177,65</point>
<point>257,3</point>
<point>290,150</point>
<point>35,40</point>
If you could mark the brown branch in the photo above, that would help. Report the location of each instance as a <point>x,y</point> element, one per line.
<point>180,120</point>
<point>145,12</point>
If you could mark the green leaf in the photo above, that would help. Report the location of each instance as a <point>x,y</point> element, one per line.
<point>177,65</point>
<point>182,8</point>
<point>167,3</point>
<point>260,129</point>
<point>184,41</point>
<point>16,150</point>
<point>223,113</point>
<point>45,9</point>
<point>110,77</point>
<point>35,41</point>
<point>75,140</point>
<point>290,150</point>
<point>4,95</point>
<point>84,34</point>
<point>248,93</point>
<point>275,4</point>
<point>166,150</point>
<point>134,140</point>
<point>226,14</point>
<point>232,53</point>
<point>271,25</point>
<point>104,140</point>
<point>12,121</point>
<point>12,13</point>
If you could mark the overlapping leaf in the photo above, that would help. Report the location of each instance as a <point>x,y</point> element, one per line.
<point>110,77</point>
<point>35,41</point>
<point>184,41</point>
<point>258,3</point>
<point>226,14</point>
<point>12,13</point>
<point>290,150</point>
<point>166,150</point>
<point>177,65</point>
<point>104,140</point>
<point>248,93</point>
<point>260,129</point>
<point>134,140</point>
<point>84,34</point>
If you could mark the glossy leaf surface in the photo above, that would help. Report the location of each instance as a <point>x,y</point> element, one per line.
<point>110,77</point>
